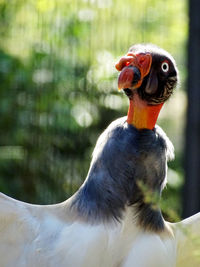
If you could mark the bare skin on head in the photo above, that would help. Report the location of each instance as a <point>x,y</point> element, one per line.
<point>148,77</point>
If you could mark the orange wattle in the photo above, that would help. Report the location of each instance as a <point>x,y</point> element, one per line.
<point>141,115</point>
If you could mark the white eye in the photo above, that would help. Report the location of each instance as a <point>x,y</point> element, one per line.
<point>165,67</point>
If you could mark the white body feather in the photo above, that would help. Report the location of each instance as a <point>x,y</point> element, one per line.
<point>32,235</point>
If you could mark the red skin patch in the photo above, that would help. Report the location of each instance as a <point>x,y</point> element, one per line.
<point>140,61</point>
<point>140,114</point>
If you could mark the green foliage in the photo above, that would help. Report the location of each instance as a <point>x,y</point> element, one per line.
<point>58,86</point>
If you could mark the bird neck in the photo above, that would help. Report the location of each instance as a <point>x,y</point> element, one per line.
<point>103,201</point>
<point>127,168</point>
<point>141,115</point>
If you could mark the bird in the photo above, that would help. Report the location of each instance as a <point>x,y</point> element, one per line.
<point>114,219</point>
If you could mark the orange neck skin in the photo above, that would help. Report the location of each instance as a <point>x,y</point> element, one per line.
<point>141,115</point>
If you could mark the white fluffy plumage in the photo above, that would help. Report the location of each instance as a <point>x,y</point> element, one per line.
<point>32,235</point>
<point>58,235</point>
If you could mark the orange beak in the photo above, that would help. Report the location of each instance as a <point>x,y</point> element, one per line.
<point>133,70</point>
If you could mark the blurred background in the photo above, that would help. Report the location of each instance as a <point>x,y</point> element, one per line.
<point>58,89</point>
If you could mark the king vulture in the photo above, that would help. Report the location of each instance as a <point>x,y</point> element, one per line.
<point>114,219</point>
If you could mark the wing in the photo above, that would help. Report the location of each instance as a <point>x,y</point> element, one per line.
<point>34,235</point>
<point>17,229</point>
<point>187,235</point>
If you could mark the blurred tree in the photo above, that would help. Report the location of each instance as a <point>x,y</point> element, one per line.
<point>58,87</point>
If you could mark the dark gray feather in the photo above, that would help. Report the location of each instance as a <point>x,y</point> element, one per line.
<point>127,164</point>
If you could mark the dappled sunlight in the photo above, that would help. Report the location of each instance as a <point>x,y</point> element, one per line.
<point>59,87</point>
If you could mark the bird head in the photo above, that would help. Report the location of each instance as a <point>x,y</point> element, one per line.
<point>148,76</point>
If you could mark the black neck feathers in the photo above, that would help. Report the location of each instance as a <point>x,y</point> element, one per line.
<point>128,169</point>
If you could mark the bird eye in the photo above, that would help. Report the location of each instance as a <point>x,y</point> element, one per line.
<point>165,66</point>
